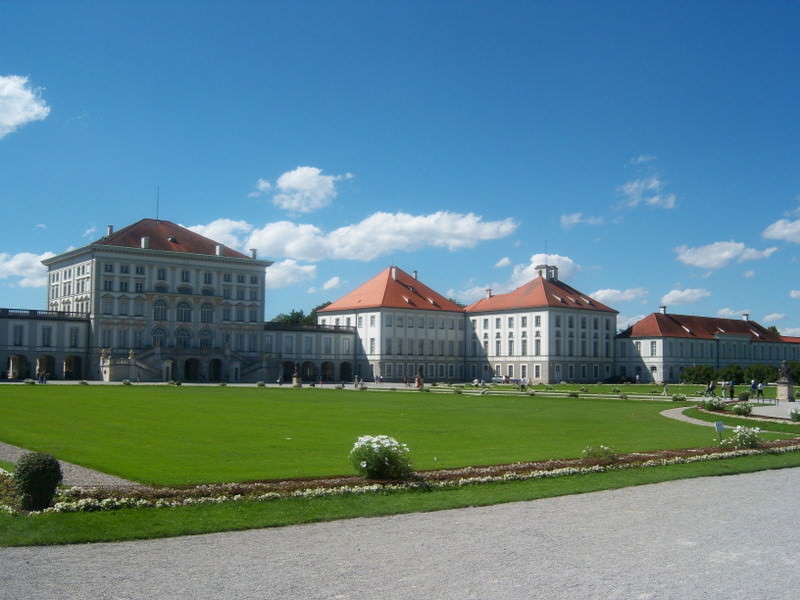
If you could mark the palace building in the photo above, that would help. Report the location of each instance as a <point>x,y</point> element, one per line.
<point>155,301</point>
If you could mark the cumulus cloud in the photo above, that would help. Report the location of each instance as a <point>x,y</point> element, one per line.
<point>90,232</point>
<point>720,254</point>
<point>503,262</point>
<point>376,235</point>
<point>729,313</point>
<point>783,229</point>
<point>289,272</point>
<point>225,231</point>
<point>306,189</point>
<point>794,294</point>
<point>623,321</point>
<point>19,104</point>
<point>648,191</point>
<point>262,187</point>
<point>25,266</point>
<point>612,296</point>
<point>573,219</point>
<point>774,317</point>
<point>687,296</point>
<point>332,283</point>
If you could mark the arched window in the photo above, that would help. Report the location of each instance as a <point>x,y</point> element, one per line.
<point>207,313</point>
<point>159,337</point>
<point>159,310</point>
<point>184,312</point>
<point>183,338</point>
<point>206,339</point>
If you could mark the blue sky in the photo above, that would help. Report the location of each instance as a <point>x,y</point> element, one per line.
<point>650,149</point>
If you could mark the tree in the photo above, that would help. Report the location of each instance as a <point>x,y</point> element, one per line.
<point>762,373</point>
<point>773,329</point>
<point>298,317</point>
<point>733,373</point>
<point>697,374</point>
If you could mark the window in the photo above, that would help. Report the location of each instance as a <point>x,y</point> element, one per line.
<point>139,287</point>
<point>108,267</point>
<point>47,336</point>
<point>254,279</point>
<point>124,269</point>
<point>74,332</point>
<point>226,277</point>
<point>652,348</point>
<point>523,321</point>
<point>240,278</point>
<point>139,270</point>
<point>497,323</point>
<point>159,310</point>
<point>182,338</point>
<point>184,312</point>
<point>253,295</point>
<point>208,278</point>
<point>108,285</point>
<point>206,339</point>
<point>308,344</point>
<point>162,274</point>
<point>206,313</point>
<point>511,321</point>
<point>185,276</point>
<point>123,286</point>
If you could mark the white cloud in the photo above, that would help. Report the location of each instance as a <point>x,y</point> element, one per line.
<point>332,283</point>
<point>623,322</point>
<point>224,231</point>
<point>26,266</point>
<point>774,317</point>
<point>687,296</point>
<point>571,220</point>
<point>289,272</point>
<point>729,313</point>
<point>647,191</point>
<point>522,274</point>
<point>791,331</point>
<point>749,274</point>
<point>305,189</point>
<point>794,294</point>
<point>90,232</point>
<point>503,262</point>
<point>287,239</point>
<point>262,187</point>
<point>719,254</point>
<point>783,229</point>
<point>19,104</point>
<point>642,159</point>
<point>612,296</point>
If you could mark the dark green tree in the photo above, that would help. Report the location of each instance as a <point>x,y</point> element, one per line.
<point>733,373</point>
<point>762,373</point>
<point>697,374</point>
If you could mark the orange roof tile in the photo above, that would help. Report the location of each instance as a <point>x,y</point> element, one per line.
<point>689,326</point>
<point>165,235</point>
<point>393,288</point>
<point>539,293</point>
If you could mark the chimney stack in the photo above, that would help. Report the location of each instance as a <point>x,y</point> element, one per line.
<point>219,250</point>
<point>663,309</point>
<point>415,274</point>
<point>254,252</point>
<point>109,230</point>
<point>394,273</point>
<point>145,241</point>
<point>488,292</point>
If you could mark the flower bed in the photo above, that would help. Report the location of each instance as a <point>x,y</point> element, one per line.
<point>77,499</point>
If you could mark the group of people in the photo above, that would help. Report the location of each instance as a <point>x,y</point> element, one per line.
<point>729,390</point>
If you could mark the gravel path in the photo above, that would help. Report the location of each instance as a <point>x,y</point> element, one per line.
<point>720,537</point>
<point>73,474</point>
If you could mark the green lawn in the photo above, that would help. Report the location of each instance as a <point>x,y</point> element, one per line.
<point>174,435</point>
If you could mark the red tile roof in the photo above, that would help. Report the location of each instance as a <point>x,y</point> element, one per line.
<point>165,235</point>
<point>692,327</point>
<point>539,293</point>
<point>393,288</point>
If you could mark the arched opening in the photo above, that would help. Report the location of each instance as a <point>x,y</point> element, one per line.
<point>18,367</point>
<point>215,370</point>
<point>72,368</point>
<point>287,370</point>
<point>326,373</point>
<point>191,370</point>
<point>308,371</point>
<point>346,371</point>
<point>45,366</point>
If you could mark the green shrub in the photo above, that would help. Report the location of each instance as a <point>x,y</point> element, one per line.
<point>381,457</point>
<point>601,453</point>
<point>84,382</point>
<point>29,381</point>
<point>744,397</point>
<point>742,409</point>
<point>573,394</point>
<point>794,414</point>
<point>678,398</point>
<point>37,476</point>
<point>126,382</point>
<point>260,384</point>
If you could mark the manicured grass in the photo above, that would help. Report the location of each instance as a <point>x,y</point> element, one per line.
<point>131,524</point>
<point>174,435</point>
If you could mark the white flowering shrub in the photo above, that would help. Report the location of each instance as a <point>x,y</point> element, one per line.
<point>381,457</point>
<point>744,437</point>
<point>794,414</point>
<point>743,408</point>
<point>713,403</point>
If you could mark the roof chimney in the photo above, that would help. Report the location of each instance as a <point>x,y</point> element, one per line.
<point>254,252</point>
<point>746,316</point>
<point>488,292</point>
<point>145,241</point>
<point>414,274</point>
<point>663,309</point>
<point>394,273</point>
<point>220,248</point>
<point>109,230</point>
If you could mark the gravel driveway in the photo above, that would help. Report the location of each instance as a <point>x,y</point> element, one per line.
<point>728,537</point>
